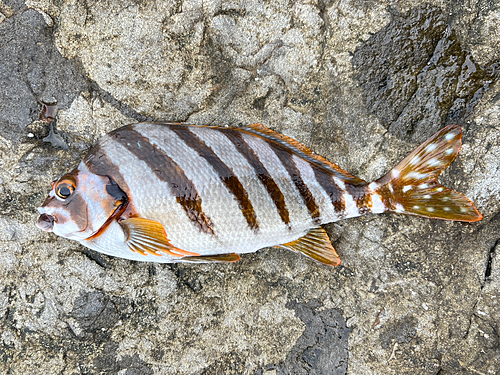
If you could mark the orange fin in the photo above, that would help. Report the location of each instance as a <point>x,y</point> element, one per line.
<point>301,150</point>
<point>221,258</point>
<point>316,245</point>
<point>411,186</point>
<point>146,236</point>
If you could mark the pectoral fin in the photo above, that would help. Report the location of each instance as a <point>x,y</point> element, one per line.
<point>146,236</point>
<point>221,258</point>
<point>316,245</point>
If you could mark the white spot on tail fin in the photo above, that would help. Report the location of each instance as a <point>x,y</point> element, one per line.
<point>430,209</point>
<point>406,188</point>
<point>416,159</point>
<point>416,207</point>
<point>373,186</point>
<point>430,147</point>
<point>416,175</point>
<point>377,204</point>
<point>427,196</point>
<point>439,189</point>
<point>449,136</point>
<point>434,162</point>
<point>447,209</point>
<point>395,173</point>
<point>449,151</point>
<point>423,186</point>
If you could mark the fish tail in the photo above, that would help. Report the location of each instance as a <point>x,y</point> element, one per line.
<point>411,187</point>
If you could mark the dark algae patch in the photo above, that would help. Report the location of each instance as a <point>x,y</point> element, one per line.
<point>416,76</point>
<point>322,348</point>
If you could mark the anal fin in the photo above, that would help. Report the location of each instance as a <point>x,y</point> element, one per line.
<point>316,245</point>
<point>221,258</point>
<point>146,236</point>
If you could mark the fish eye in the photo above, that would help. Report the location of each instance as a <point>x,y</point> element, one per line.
<point>65,187</point>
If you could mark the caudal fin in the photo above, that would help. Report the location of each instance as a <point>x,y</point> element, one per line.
<point>411,186</point>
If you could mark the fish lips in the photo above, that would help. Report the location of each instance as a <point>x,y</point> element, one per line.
<point>46,222</point>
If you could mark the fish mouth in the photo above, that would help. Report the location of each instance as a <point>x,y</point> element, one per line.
<point>46,222</point>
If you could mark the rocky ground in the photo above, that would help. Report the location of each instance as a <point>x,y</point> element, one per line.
<point>360,82</point>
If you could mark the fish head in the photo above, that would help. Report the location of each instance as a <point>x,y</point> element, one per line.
<point>80,204</point>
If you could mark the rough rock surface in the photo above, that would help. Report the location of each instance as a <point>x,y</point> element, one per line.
<point>360,82</point>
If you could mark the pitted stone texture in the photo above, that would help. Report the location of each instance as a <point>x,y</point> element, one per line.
<point>412,296</point>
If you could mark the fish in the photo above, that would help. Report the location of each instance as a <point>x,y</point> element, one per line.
<point>171,192</point>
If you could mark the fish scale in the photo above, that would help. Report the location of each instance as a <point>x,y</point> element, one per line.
<point>227,215</point>
<point>218,201</point>
<point>165,192</point>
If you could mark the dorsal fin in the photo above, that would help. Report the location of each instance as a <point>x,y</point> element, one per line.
<point>301,150</point>
<point>316,245</point>
<point>221,258</point>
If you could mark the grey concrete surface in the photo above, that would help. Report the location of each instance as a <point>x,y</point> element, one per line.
<point>360,82</point>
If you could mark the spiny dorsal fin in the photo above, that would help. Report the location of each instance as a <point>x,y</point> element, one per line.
<point>221,258</point>
<point>290,143</point>
<point>146,236</point>
<point>316,245</point>
<point>411,186</point>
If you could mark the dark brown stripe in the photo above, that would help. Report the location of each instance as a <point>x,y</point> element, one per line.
<point>225,173</point>
<point>286,158</point>
<point>167,171</point>
<point>361,195</point>
<point>272,188</point>
<point>98,163</point>
<point>325,179</point>
<point>81,215</point>
<point>323,175</point>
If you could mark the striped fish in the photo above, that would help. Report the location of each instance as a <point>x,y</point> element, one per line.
<point>165,192</point>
